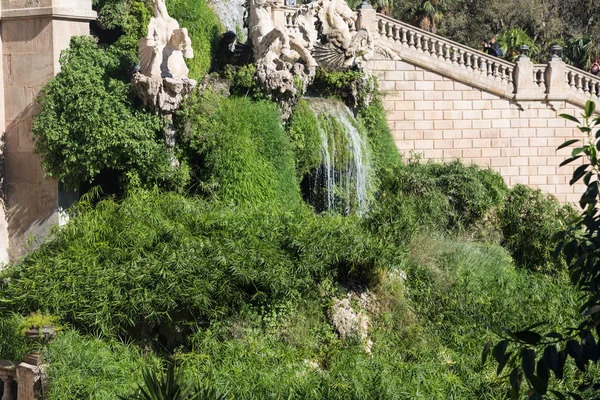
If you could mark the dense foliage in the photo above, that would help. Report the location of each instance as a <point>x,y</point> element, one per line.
<point>233,275</point>
<point>528,231</point>
<point>532,353</point>
<point>88,123</point>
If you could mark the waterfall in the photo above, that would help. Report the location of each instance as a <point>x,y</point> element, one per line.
<point>341,182</point>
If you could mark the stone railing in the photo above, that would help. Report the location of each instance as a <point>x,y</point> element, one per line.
<point>28,377</point>
<point>439,48</point>
<point>8,374</point>
<point>582,84</point>
<point>521,81</point>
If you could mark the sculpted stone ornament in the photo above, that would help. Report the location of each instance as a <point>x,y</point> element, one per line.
<point>162,79</point>
<point>284,65</point>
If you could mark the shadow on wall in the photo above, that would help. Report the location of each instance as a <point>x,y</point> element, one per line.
<point>30,200</point>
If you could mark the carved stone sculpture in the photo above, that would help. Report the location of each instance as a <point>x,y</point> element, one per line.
<point>162,80</point>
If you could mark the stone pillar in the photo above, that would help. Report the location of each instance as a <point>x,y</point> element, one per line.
<point>7,375</point>
<point>367,17</point>
<point>32,39</point>
<point>28,377</point>
<point>525,87</point>
<point>556,80</point>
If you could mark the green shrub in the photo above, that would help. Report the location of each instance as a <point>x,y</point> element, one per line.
<point>87,123</point>
<point>303,129</point>
<point>529,221</point>
<point>385,157</point>
<point>243,83</point>
<point>89,368</point>
<point>204,29</point>
<point>156,261</point>
<point>13,344</point>
<point>241,150</point>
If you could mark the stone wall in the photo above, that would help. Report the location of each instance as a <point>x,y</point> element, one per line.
<point>442,119</point>
<point>32,39</point>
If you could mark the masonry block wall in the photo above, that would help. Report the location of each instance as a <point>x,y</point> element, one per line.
<point>442,119</point>
<point>32,38</point>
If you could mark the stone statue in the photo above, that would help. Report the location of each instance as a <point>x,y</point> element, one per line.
<point>162,79</point>
<point>269,41</point>
<point>162,52</point>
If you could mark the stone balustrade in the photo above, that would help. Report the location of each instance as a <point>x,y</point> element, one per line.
<point>8,373</point>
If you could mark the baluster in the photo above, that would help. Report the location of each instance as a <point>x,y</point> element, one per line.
<point>586,84</point>
<point>438,49</point>
<point>578,83</point>
<point>476,63</point>
<point>418,43</point>
<point>597,89</point>
<point>411,39</point>
<point>483,67</point>
<point>500,76</point>
<point>426,45</point>
<point>404,39</point>
<point>461,61</point>
<point>468,61</point>
<point>446,52</point>
<point>388,30</point>
<point>397,37</point>
<point>509,75</point>
<point>571,79</point>
<point>380,27</point>
<point>454,55</point>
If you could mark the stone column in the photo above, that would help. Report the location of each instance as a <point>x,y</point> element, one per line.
<point>7,375</point>
<point>556,80</point>
<point>525,87</point>
<point>28,377</point>
<point>367,17</point>
<point>32,39</point>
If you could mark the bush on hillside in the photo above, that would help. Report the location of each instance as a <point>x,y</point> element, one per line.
<point>13,344</point>
<point>154,263</point>
<point>239,149</point>
<point>435,196</point>
<point>90,368</point>
<point>529,222</point>
<point>88,124</point>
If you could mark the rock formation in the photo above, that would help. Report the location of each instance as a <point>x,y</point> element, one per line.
<point>162,80</point>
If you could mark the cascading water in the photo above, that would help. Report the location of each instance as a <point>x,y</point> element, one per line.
<point>341,182</point>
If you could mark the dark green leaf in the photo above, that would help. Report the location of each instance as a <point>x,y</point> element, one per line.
<point>515,383</point>
<point>579,172</point>
<point>569,160</point>
<point>499,350</point>
<point>558,395</point>
<point>550,357</point>
<point>575,396</point>
<point>528,337</point>
<point>542,371</point>
<point>590,106</point>
<point>567,143</point>
<point>486,351</point>
<point>528,361</point>
<point>570,118</point>
<point>562,358</point>
<point>538,384</point>
<point>502,364</point>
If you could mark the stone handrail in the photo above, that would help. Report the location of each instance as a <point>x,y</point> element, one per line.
<point>444,49</point>
<point>584,83</point>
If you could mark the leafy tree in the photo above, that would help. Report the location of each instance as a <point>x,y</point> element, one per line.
<point>532,354</point>
<point>88,123</point>
<point>511,41</point>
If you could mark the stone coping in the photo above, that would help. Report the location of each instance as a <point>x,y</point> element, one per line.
<point>53,12</point>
